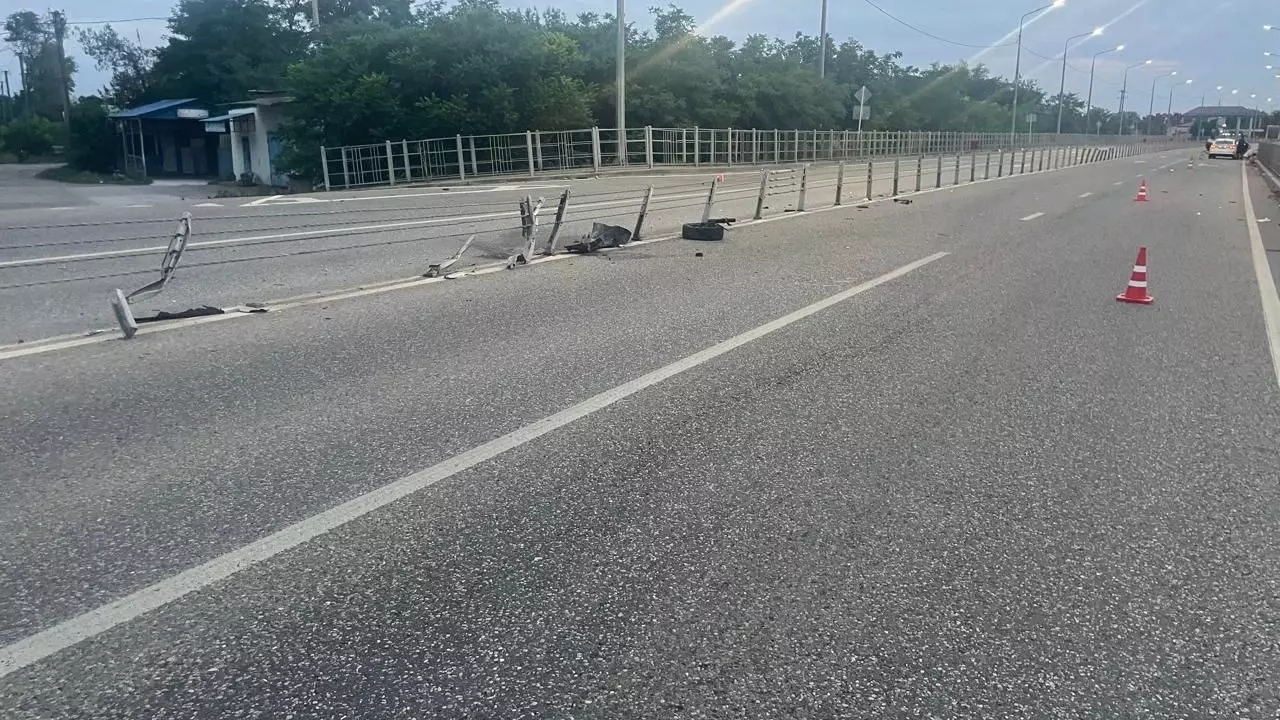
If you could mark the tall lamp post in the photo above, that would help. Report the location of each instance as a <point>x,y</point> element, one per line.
<point>622,82</point>
<point>1088,104</point>
<point>1152,108</point>
<point>822,45</point>
<point>1062,84</point>
<point>1168,113</point>
<point>1017,66</point>
<point>1124,93</point>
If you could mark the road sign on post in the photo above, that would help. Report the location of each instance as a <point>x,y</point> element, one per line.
<point>862,95</point>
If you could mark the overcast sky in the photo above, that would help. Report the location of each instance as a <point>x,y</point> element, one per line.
<point>1210,42</point>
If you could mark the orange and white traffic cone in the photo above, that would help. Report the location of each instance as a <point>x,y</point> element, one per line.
<point>1136,292</point>
<point>1142,192</point>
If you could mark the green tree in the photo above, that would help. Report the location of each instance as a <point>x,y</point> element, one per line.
<point>219,50</point>
<point>31,38</point>
<point>130,64</point>
<point>92,141</point>
<point>29,137</point>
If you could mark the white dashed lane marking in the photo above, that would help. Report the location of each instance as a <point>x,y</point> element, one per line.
<point>1032,216</point>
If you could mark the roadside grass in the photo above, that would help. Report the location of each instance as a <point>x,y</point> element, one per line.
<point>68,174</point>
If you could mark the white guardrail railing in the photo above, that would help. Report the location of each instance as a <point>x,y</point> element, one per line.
<point>594,150</point>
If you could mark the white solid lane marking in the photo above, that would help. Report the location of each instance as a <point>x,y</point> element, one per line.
<point>1118,183</point>
<point>1033,216</point>
<point>261,201</point>
<point>208,204</point>
<point>1266,282</point>
<point>68,633</point>
<point>137,206</point>
<point>1085,194</point>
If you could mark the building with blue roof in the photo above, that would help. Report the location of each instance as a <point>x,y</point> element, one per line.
<point>167,138</point>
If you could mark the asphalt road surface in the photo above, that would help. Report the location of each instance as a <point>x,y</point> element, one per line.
<point>901,461</point>
<point>57,269</point>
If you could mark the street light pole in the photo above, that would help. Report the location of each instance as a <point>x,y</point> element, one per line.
<point>1017,67</point>
<point>1152,109</point>
<point>1062,84</point>
<point>1168,113</point>
<point>1088,104</point>
<point>822,45</point>
<point>315,13</point>
<point>622,82</point>
<point>1124,91</point>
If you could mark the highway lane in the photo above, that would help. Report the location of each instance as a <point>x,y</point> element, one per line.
<point>980,489</point>
<point>59,277</point>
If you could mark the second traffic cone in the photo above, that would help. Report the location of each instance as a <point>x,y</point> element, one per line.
<point>1136,292</point>
<point>1142,192</point>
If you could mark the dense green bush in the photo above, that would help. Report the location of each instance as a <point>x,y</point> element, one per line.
<point>28,137</point>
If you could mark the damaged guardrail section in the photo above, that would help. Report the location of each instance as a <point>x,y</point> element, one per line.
<point>250,259</point>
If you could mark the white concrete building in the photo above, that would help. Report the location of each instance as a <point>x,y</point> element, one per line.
<point>252,128</point>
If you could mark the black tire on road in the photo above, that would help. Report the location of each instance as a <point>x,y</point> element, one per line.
<point>702,231</point>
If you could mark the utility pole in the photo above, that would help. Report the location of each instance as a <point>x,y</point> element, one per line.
<point>26,87</point>
<point>8,100</point>
<point>59,32</point>
<point>315,13</point>
<point>822,43</point>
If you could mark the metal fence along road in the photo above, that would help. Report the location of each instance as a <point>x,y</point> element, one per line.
<point>534,152</point>
<point>1269,155</point>
<point>253,258</point>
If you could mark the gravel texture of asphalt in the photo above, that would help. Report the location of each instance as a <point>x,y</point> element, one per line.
<point>981,488</point>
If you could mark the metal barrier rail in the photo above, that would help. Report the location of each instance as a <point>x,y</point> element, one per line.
<point>431,237</point>
<point>1269,155</point>
<point>595,150</point>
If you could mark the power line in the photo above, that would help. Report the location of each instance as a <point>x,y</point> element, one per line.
<point>108,22</point>
<point>928,34</point>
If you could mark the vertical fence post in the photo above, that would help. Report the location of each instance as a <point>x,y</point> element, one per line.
<point>764,190</point>
<point>537,144</point>
<point>475,164</point>
<point>555,229</point>
<point>973,166</point>
<point>644,212</point>
<point>324,166</point>
<point>777,146</point>
<point>462,163</point>
<point>408,169</point>
<point>804,187</point>
<point>1040,167</point>
<point>956,180</point>
<point>648,145</point>
<point>1023,169</point>
<point>919,170</point>
<point>870,176</point>
<point>728,146</point>
<point>346,171</point>
<point>986,172</point>
<point>840,183</point>
<point>1000,165</point>
<point>697,146</point>
<point>595,149</point>
<point>896,162</point>
<point>391,165</point>
<point>711,199</point>
<point>528,146</point>
<point>797,147</point>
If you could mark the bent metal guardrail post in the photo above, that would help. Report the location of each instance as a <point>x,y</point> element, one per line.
<point>173,254</point>
<point>436,269</point>
<point>644,212</point>
<point>559,222</point>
